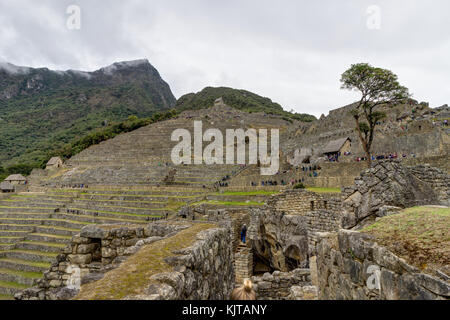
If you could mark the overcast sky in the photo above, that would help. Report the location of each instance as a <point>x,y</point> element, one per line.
<point>290,51</point>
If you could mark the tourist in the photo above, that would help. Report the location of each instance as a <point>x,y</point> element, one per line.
<point>243,233</point>
<point>245,292</point>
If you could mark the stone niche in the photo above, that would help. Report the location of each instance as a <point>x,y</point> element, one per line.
<point>92,253</point>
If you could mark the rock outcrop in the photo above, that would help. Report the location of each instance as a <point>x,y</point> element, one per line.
<point>389,183</point>
<point>351,266</point>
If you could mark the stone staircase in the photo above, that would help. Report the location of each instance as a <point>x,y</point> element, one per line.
<point>35,226</point>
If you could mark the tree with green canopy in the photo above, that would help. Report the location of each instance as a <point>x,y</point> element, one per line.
<point>378,87</point>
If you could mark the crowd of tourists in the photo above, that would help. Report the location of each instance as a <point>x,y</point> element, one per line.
<point>75,186</point>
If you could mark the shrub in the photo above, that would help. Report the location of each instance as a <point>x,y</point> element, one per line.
<point>299,186</point>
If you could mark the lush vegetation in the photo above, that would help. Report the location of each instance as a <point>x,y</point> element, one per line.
<point>239,99</point>
<point>43,111</point>
<point>96,136</point>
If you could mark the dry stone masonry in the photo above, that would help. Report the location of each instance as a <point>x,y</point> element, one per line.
<point>389,183</point>
<point>293,285</point>
<point>96,250</point>
<point>352,267</point>
<point>203,271</point>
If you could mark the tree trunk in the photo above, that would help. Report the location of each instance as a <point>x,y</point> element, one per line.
<point>364,143</point>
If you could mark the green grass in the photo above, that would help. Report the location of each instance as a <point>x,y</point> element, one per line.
<point>38,253</point>
<point>420,234</point>
<point>23,274</point>
<point>137,195</point>
<point>4,297</point>
<point>49,244</point>
<point>39,264</point>
<point>121,213</point>
<point>247,193</point>
<point>13,285</point>
<point>52,235</point>
<point>230,203</point>
<point>324,190</point>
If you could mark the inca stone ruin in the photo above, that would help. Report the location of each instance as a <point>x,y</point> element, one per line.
<point>120,214</point>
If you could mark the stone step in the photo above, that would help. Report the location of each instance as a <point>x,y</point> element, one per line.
<point>16,227</point>
<point>33,203</point>
<point>4,209</point>
<point>45,222</point>
<point>13,240</point>
<point>58,231</point>
<point>25,215</point>
<point>43,237</point>
<point>39,246</point>
<point>102,218</point>
<point>7,246</point>
<point>29,255</point>
<point>64,223</point>
<point>11,288</point>
<point>24,265</point>
<point>13,233</point>
<point>90,203</point>
<point>21,277</point>
<point>118,210</point>
<point>136,198</point>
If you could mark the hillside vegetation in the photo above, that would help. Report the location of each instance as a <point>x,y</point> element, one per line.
<point>43,110</point>
<point>239,99</point>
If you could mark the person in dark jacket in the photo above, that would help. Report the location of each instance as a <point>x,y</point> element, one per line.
<point>243,233</point>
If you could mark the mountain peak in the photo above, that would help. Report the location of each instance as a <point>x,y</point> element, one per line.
<point>13,69</point>
<point>125,65</point>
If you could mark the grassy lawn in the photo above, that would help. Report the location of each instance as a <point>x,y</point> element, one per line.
<point>324,190</point>
<point>24,274</point>
<point>421,235</point>
<point>133,276</point>
<point>249,193</point>
<point>230,203</point>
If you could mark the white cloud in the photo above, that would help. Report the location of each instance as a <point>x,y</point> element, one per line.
<point>290,51</point>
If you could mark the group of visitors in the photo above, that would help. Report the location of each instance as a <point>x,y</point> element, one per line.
<point>389,156</point>
<point>439,123</point>
<point>311,168</point>
<point>75,186</point>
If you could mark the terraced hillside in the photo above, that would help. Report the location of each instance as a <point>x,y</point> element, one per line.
<point>34,227</point>
<point>143,156</point>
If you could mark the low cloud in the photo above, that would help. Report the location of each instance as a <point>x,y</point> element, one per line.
<point>292,51</point>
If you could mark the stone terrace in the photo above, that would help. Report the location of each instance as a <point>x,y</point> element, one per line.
<point>35,226</point>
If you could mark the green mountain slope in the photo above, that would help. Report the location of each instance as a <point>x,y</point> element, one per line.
<point>42,110</point>
<point>239,99</point>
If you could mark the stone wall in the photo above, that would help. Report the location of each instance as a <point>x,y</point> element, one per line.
<point>294,285</point>
<point>352,267</point>
<point>96,250</point>
<point>389,183</point>
<point>203,271</point>
<point>321,221</point>
<point>278,240</point>
<point>437,179</point>
<point>301,201</point>
<point>243,264</point>
<point>283,233</point>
